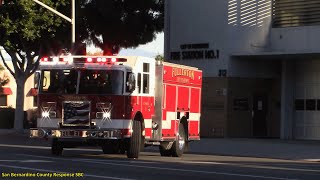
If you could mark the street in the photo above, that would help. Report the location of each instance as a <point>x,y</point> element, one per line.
<point>91,163</point>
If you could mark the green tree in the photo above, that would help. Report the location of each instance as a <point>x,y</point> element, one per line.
<point>115,24</point>
<point>159,57</point>
<point>28,31</point>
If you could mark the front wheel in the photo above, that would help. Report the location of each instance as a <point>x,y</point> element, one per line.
<point>179,145</point>
<point>135,140</point>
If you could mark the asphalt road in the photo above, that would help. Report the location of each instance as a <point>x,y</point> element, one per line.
<point>93,164</point>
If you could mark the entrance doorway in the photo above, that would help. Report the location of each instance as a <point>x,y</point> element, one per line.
<point>259,115</point>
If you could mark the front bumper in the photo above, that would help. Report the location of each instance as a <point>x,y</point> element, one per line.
<point>76,133</point>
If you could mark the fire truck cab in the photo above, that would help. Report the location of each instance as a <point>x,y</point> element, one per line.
<point>119,103</point>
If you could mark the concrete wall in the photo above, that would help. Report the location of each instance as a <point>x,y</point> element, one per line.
<point>295,40</point>
<point>214,106</point>
<point>192,22</point>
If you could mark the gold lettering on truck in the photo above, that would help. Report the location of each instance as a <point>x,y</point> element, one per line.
<point>182,72</point>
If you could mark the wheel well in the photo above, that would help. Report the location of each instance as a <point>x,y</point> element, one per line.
<point>184,122</point>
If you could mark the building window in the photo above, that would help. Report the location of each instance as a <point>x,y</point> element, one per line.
<point>295,13</point>
<point>299,104</point>
<point>139,82</point>
<point>310,104</point>
<point>146,84</point>
<point>3,100</point>
<point>318,104</point>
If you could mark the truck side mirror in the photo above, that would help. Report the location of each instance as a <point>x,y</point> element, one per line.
<point>131,83</point>
<point>36,79</point>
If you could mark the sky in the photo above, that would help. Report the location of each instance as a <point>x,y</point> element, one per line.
<point>151,49</point>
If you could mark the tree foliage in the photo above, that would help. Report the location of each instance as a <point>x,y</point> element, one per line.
<point>115,24</point>
<point>27,31</point>
<point>159,57</point>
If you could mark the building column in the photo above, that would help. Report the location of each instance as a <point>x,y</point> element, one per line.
<point>167,40</point>
<point>287,99</point>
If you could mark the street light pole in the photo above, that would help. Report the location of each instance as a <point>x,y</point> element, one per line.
<point>72,20</point>
<point>73,23</point>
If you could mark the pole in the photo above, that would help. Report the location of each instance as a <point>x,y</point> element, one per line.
<point>72,20</point>
<point>52,10</point>
<point>73,23</point>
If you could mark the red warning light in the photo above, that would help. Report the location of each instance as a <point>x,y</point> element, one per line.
<point>89,60</point>
<point>45,59</point>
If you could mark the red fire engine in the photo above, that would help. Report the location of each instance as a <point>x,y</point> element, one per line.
<point>119,103</point>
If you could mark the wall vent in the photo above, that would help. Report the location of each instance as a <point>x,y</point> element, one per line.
<point>292,13</point>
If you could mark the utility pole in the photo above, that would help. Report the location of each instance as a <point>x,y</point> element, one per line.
<point>73,23</point>
<point>71,20</point>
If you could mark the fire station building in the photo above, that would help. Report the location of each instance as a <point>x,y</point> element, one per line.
<point>261,64</point>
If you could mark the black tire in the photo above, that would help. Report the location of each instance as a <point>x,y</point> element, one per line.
<point>179,145</point>
<point>135,141</point>
<point>142,144</point>
<point>56,147</point>
<point>165,152</point>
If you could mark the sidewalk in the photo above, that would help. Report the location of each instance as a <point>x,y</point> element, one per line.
<point>264,148</point>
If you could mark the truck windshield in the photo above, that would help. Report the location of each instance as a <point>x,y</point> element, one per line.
<point>91,82</point>
<point>59,81</point>
<point>101,82</point>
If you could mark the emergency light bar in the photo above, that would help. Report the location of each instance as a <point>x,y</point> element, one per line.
<point>107,60</point>
<point>81,59</point>
<point>57,60</point>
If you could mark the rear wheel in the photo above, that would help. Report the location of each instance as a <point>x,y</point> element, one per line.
<point>56,147</point>
<point>135,141</point>
<point>179,145</point>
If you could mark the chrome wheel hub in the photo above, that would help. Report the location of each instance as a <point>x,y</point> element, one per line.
<point>181,142</point>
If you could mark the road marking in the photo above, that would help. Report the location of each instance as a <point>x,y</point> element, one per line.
<point>47,170</point>
<point>312,160</point>
<point>44,147</point>
<point>161,168</point>
<point>21,146</point>
<point>26,161</point>
<point>253,166</point>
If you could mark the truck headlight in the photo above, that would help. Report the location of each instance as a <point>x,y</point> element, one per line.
<point>49,114</point>
<point>106,115</point>
<point>103,115</point>
<point>104,111</point>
